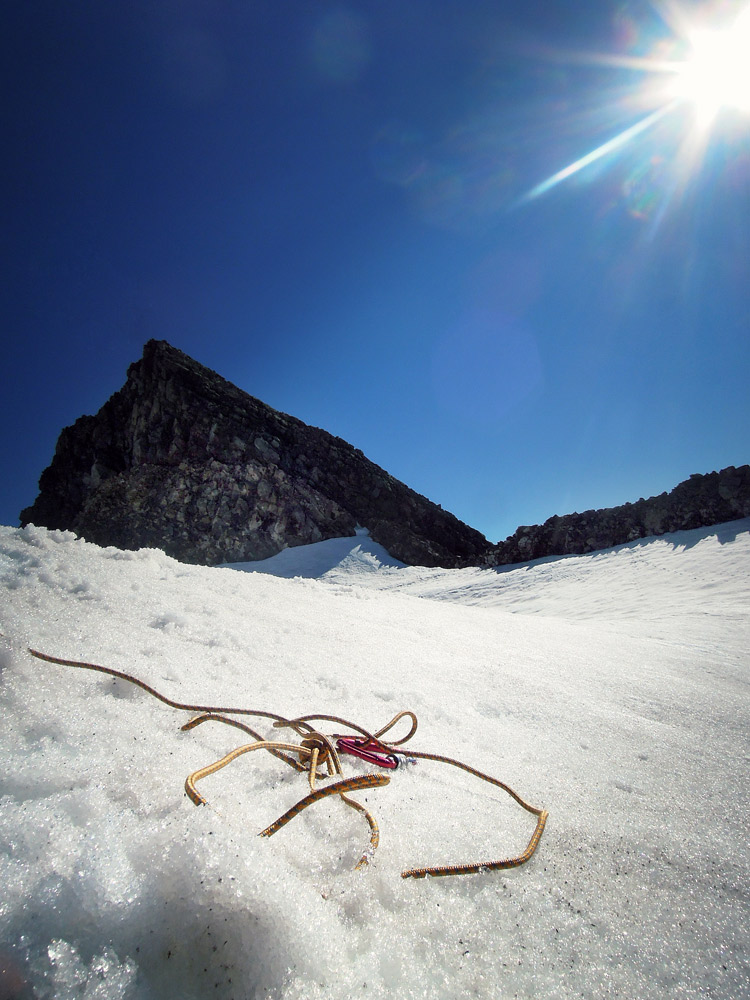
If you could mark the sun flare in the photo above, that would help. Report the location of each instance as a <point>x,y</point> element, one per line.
<point>701,67</point>
<point>716,73</point>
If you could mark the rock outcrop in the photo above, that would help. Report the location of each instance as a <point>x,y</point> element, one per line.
<point>182,460</point>
<point>698,502</point>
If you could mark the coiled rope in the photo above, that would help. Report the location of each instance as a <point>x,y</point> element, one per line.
<point>316,749</point>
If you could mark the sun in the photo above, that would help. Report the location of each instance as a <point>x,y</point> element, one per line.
<point>706,69</point>
<point>716,73</point>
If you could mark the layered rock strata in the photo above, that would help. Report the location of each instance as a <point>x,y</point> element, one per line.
<point>182,460</point>
<point>700,501</point>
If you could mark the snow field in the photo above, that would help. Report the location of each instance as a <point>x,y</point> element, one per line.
<point>610,689</point>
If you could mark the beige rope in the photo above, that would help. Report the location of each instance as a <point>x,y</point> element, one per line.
<point>275,749</point>
<point>203,772</point>
<point>211,717</point>
<point>316,749</point>
<point>473,867</point>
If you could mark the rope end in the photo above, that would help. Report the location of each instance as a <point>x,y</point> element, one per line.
<point>193,794</point>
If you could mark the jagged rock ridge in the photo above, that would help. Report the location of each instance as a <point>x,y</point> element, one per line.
<point>182,460</point>
<point>700,501</point>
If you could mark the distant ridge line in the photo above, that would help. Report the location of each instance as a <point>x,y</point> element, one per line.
<point>698,502</point>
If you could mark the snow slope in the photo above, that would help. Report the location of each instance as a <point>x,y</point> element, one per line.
<point>612,689</point>
<point>681,575</point>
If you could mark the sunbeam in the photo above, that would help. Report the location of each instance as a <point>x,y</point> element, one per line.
<point>596,154</point>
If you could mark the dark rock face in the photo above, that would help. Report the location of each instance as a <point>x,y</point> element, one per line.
<point>698,502</point>
<point>182,460</point>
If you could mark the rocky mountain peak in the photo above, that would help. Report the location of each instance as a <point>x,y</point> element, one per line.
<point>182,460</point>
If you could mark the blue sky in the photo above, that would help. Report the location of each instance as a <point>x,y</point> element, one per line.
<point>341,209</point>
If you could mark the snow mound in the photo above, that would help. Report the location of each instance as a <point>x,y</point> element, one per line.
<point>358,554</point>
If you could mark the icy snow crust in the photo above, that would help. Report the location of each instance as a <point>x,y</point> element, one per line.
<point>611,689</point>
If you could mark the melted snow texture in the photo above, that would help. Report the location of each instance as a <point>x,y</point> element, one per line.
<point>618,700</point>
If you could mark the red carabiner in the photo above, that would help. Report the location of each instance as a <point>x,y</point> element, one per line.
<point>367,749</point>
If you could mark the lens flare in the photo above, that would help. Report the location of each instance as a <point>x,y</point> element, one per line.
<point>712,74</point>
<point>596,154</point>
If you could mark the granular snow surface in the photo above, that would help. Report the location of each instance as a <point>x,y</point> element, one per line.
<point>610,689</point>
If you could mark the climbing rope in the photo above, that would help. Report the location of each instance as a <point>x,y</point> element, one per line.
<point>316,750</point>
